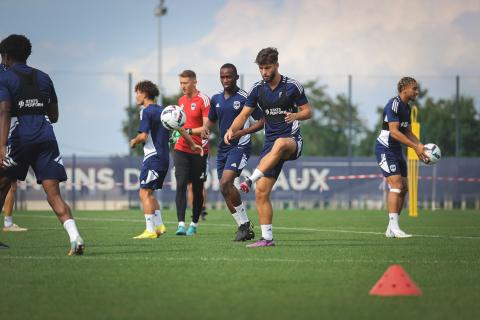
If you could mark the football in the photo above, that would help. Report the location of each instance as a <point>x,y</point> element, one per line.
<point>434,153</point>
<point>173,117</point>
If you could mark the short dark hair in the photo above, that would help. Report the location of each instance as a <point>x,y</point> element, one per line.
<point>267,56</point>
<point>149,88</point>
<point>17,46</point>
<point>404,82</point>
<point>188,74</point>
<point>229,66</point>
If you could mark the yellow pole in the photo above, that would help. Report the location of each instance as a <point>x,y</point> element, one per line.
<point>413,168</point>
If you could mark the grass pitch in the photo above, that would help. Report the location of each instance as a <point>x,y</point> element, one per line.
<point>323,266</point>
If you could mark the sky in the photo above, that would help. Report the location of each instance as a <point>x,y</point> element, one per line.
<point>88,47</point>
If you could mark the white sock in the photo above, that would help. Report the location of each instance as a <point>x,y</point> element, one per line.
<point>157,219</point>
<point>257,174</point>
<point>393,221</point>
<point>267,231</point>
<point>193,224</point>
<point>149,225</point>
<point>237,218</point>
<point>181,224</point>
<point>242,213</point>
<point>8,221</point>
<point>71,228</point>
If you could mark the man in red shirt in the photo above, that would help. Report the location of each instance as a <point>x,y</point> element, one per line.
<point>190,166</point>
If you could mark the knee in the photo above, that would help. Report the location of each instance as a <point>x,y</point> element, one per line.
<point>280,145</point>
<point>261,193</point>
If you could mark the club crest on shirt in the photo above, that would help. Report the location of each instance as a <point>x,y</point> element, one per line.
<point>393,167</point>
<point>236,105</point>
<point>193,106</point>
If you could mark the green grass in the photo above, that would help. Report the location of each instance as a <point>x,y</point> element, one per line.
<point>323,266</point>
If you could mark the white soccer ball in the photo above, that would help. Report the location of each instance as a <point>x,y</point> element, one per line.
<point>433,152</point>
<point>173,117</point>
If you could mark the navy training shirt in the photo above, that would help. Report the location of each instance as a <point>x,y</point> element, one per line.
<point>31,128</point>
<point>286,97</point>
<point>394,111</point>
<point>225,111</point>
<point>157,141</point>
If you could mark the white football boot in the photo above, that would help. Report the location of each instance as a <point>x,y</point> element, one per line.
<point>396,233</point>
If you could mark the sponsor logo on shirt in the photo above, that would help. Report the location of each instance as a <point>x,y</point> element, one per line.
<point>30,103</point>
<point>217,106</point>
<point>236,105</point>
<point>274,111</point>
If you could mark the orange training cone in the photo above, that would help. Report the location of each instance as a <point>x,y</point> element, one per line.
<point>395,282</point>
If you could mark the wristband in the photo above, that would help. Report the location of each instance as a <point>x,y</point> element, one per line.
<point>189,131</point>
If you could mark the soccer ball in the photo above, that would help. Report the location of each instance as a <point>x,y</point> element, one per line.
<point>433,152</point>
<point>173,117</point>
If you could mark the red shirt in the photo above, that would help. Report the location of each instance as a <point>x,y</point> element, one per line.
<point>195,109</point>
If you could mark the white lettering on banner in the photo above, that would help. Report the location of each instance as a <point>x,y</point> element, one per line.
<point>127,183</point>
<point>282,182</point>
<point>105,179</point>
<point>319,179</point>
<point>85,180</point>
<point>299,183</point>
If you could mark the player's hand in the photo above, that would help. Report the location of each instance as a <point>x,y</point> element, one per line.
<point>290,117</point>
<point>228,136</point>
<point>196,147</point>
<point>205,133</point>
<point>236,135</point>
<point>2,157</point>
<point>420,151</point>
<point>133,143</point>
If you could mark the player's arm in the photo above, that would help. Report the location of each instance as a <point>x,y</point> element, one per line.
<point>5,107</point>
<point>256,126</point>
<point>238,123</point>
<point>52,112</point>
<point>191,143</point>
<point>394,128</point>
<point>140,138</point>
<point>198,131</point>
<point>305,113</point>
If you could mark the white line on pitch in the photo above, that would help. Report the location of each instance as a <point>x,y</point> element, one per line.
<point>279,228</point>
<point>229,259</point>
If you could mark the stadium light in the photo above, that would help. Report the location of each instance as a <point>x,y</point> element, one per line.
<point>160,11</point>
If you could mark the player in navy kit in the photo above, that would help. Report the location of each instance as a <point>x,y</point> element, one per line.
<point>28,107</point>
<point>232,158</point>
<point>156,156</point>
<point>396,130</point>
<point>284,104</point>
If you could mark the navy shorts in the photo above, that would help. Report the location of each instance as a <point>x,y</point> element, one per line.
<point>234,159</point>
<point>275,172</point>
<point>153,174</point>
<point>391,162</point>
<point>43,157</point>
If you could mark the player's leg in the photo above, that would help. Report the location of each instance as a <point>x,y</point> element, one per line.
<point>395,201</point>
<point>263,190</point>
<point>64,215</point>
<point>5,183</point>
<point>158,219</point>
<point>182,175</point>
<point>145,195</point>
<point>282,149</point>
<point>198,166</point>
<point>8,224</point>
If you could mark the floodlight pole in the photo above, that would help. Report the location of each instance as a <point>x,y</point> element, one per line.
<point>160,11</point>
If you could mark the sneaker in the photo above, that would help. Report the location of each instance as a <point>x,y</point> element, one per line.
<point>180,231</point>
<point>14,228</point>
<point>3,246</point>
<point>262,243</point>
<point>396,233</point>
<point>191,231</point>
<point>246,185</point>
<point>245,232</point>
<point>204,214</point>
<point>77,247</point>
<point>147,235</point>
<point>161,229</point>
